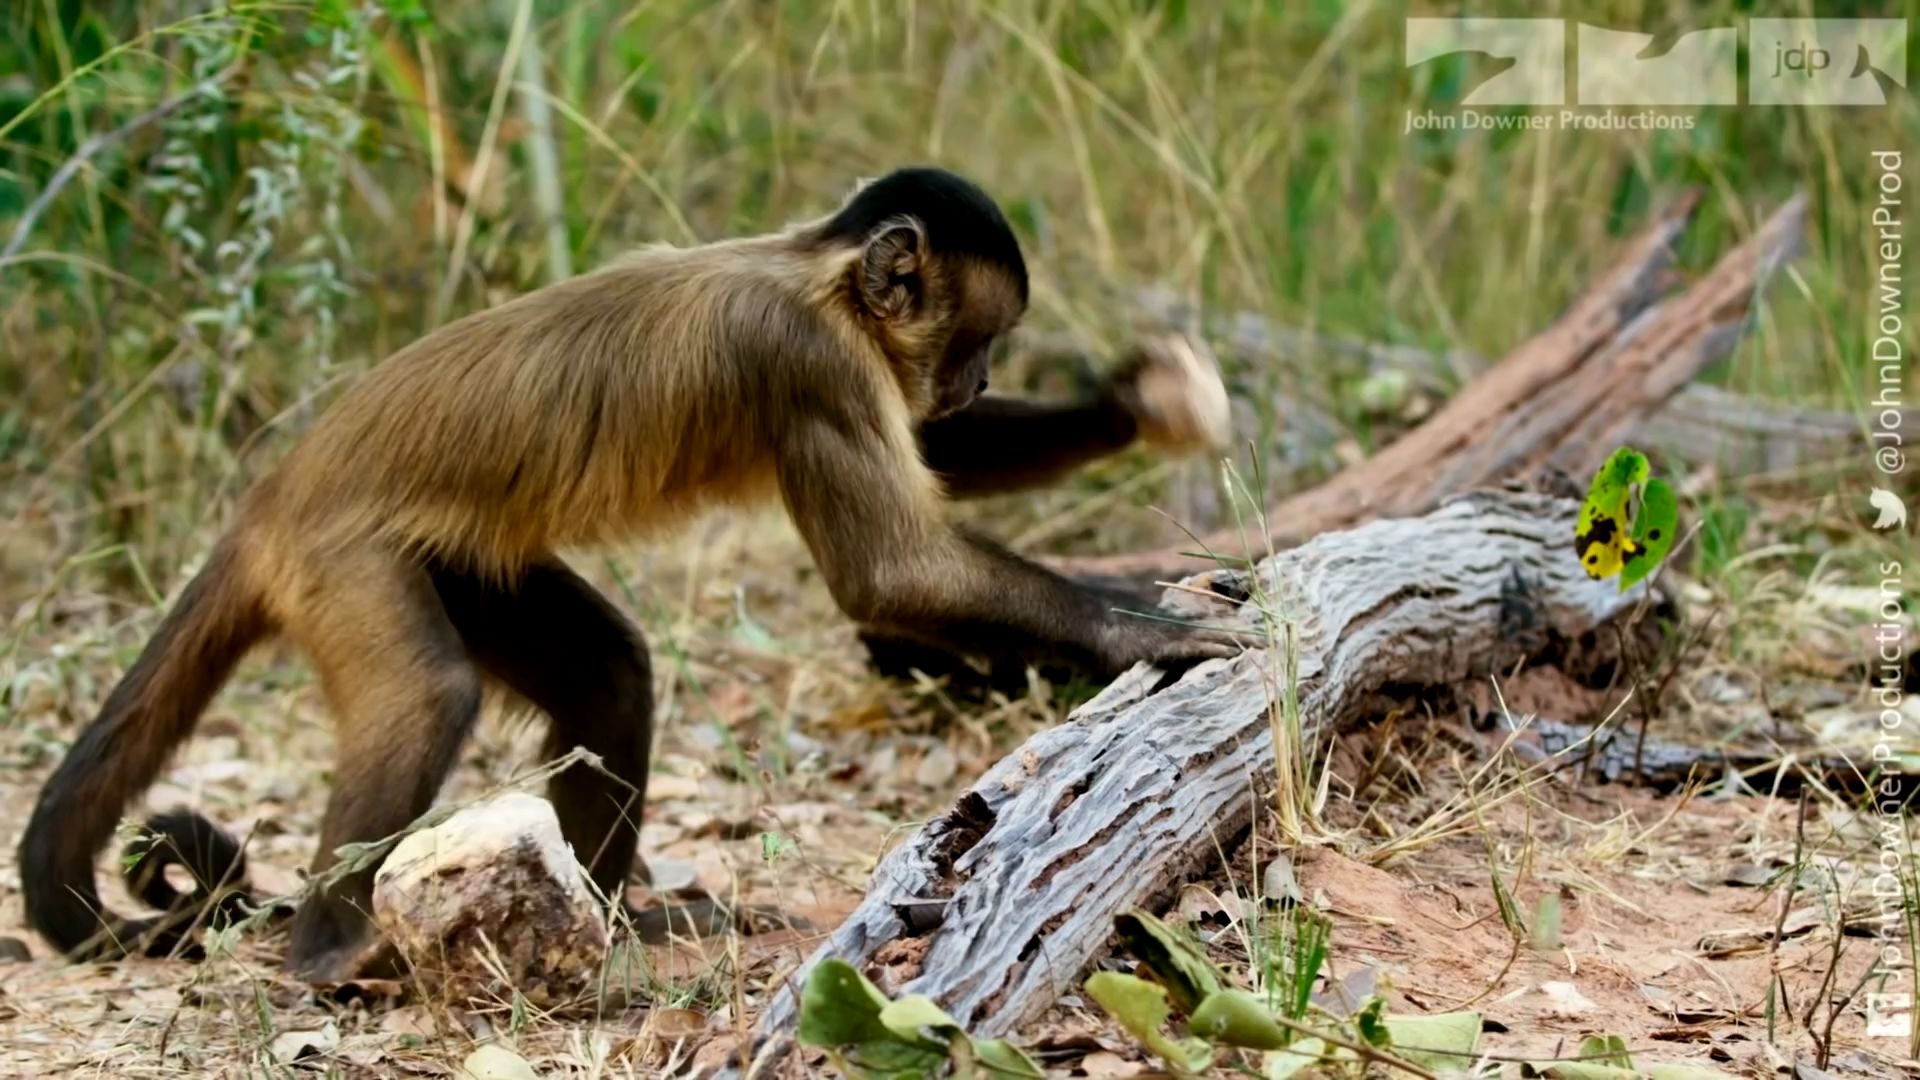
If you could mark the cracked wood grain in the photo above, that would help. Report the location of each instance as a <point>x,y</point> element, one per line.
<point>1013,891</point>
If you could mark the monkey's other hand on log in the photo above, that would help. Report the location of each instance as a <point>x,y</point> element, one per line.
<point>1169,644</point>
<point>1171,387</point>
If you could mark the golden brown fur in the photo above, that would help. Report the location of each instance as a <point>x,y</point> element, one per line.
<point>463,461</point>
<point>407,545</point>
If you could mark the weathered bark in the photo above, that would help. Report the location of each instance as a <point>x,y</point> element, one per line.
<point>1562,400</point>
<point>1020,881</point>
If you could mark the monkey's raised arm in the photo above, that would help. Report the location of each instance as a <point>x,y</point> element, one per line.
<point>1005,444</point>
<point>1167,393</point>
<point>867,510</point>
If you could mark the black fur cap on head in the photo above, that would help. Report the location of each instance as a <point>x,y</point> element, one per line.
<point>959,218</point>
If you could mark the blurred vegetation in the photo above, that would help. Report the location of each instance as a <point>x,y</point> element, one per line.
<point>270,196</point>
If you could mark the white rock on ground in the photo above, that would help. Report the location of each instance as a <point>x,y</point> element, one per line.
<point>493,887</point>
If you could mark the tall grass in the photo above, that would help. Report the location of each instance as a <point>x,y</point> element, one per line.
<point>352,172</point>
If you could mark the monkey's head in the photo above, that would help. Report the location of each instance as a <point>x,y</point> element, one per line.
<point>936,278</point>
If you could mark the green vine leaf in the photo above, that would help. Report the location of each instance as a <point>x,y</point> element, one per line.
<point>1142,1008</point>
<point>1171,956</point>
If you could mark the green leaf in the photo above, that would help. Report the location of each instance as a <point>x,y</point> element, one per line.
<point>1546,922</point>
<point>913,1017</point>
<point>1655,527</point>
<point>773,847</point>
<point>1141,1007</point>
<point>871,1038</point>
<point>1237,1018</point>
<point>1600,537</point>
<point>1616,536</point>
<point>1281,1064</point>
<point>1385,391</point>
<point>1172,958</point>
<point>1000,1058</point>
<point>1600,1057</point>
<point>1370,1020</point>
<point>1605,1050</point>
<point>839,1007</point>
<point>1613,483</point>
<point>1580,1070</point>
<point>887,1059</point>
<point>1443,1042</point>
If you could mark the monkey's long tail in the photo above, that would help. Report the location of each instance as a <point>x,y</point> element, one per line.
<point>150,712</point>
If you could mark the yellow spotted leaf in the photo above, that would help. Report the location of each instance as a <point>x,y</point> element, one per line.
<point>1619,534</point>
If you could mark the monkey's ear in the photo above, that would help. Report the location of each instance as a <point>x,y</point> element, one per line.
<point>890,268</point>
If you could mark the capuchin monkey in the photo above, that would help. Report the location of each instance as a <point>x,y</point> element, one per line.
<point>406,544</point>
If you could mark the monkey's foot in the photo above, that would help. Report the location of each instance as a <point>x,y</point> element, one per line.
<point>377,959</point>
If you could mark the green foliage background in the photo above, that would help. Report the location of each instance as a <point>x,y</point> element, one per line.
<point>207,281</point>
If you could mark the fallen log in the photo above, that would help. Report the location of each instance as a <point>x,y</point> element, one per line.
<point>1562,400</point>
<point>1741,435</point>
<point>1738,434</point>
<point>996,907</point>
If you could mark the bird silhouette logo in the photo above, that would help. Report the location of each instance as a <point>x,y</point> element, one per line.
<point>1893,512</point>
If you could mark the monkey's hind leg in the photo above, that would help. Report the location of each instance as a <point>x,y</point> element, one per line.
<point>406,694</point>
<point>551,639</point>
<point>555,641</point>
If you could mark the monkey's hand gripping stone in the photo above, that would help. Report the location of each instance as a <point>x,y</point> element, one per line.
<point>492,901</point>
<point>1172,387</point>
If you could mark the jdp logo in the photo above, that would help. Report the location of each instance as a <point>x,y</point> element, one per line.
<point>1789,62</point>
<point>1825,61</point>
